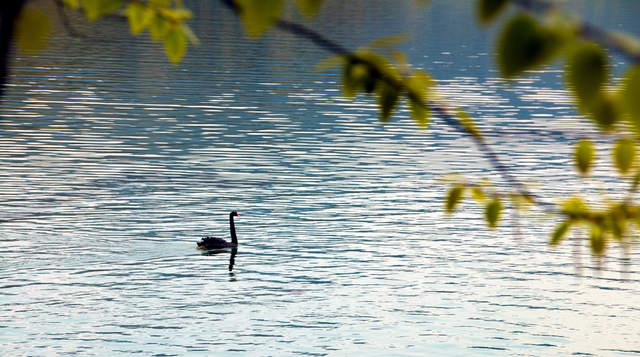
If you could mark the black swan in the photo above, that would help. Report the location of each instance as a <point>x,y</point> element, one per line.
<point>217,243</point>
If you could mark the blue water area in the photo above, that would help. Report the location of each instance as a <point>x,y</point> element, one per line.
<point>114,162</point>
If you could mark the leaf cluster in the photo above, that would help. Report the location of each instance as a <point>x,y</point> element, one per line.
<point>527,42</point>
<point>165,20</point>
<point>258,16</point>
<point>368,72</point>
<point>486,195</point>
<point>604,226</point>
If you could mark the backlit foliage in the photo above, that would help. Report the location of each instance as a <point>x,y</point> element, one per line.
<point>536,34</point>
<point>164,19</point>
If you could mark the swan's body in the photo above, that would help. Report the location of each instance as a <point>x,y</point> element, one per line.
<point>217,243</point>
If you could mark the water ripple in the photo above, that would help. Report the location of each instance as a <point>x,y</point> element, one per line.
<point>112,170</point>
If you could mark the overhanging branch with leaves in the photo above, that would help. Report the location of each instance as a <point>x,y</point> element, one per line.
<point>537,34</point>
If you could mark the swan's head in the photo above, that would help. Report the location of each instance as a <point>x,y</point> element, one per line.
<point>234,214</point>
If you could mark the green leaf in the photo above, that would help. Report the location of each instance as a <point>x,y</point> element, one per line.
<point>370,83</point>
<point>419,84</point>
<point>159,27</point>
<point>400,58</point>
<point>387,99</point>
<point>490,9</point>
<point>309,7</point>
<point>420,113</point>
<point>379,67</point>
<point>32,29</point>
<point>617,225</point>
<point>160,3</point>
<point>330,62</point>
<point>453,197</point>
<point>574,208</point>
<point>92,9</point>
<point>492,212</point>
<point>524,45</point>
<point>560,233</point>
<point>72,3</point>
<point>389,41</point>
<point>190,35</point>
<point>379,63</point>
<point>258,15</point>
<point>140,16</point>
<point>177,15</point>
<point>587,71</point>
<point>175,44</point>
<point>624,153</point>
<point>631,96</point>
<point>354,76</point>
<point>597,240</point>
<point>109,6</point>
<point>605,110</point>
<point>467,123</point>
<point>521,202</point>
<point>584,155</point>
<point>478,194</point>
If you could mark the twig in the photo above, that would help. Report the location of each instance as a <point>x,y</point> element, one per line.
<point>333,47</point>
<point>65,20</point>
<point>301,31</point>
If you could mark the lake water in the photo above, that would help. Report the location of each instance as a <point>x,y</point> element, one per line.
<point>114,163</point>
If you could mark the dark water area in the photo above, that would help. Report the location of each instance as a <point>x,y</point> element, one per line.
<point>115,162</point>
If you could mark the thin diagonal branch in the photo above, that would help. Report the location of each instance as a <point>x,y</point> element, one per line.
<point>301,31</point>
<point>331,46</point>
<point>64,19</point>
<point>316,38</point>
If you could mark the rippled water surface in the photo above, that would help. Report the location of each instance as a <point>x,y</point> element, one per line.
<point>115,162</point>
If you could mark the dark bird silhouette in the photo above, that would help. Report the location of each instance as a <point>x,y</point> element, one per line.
<point>217,243</point>
<point>232,258</point>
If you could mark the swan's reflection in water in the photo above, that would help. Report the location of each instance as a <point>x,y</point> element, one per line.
<point>232,258</point>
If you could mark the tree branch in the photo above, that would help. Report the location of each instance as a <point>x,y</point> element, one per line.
<point>333,47</point>
<point>64,19</point>
<point>613,40</point>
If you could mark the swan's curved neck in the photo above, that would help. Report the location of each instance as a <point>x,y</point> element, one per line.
<point>234,238</point>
